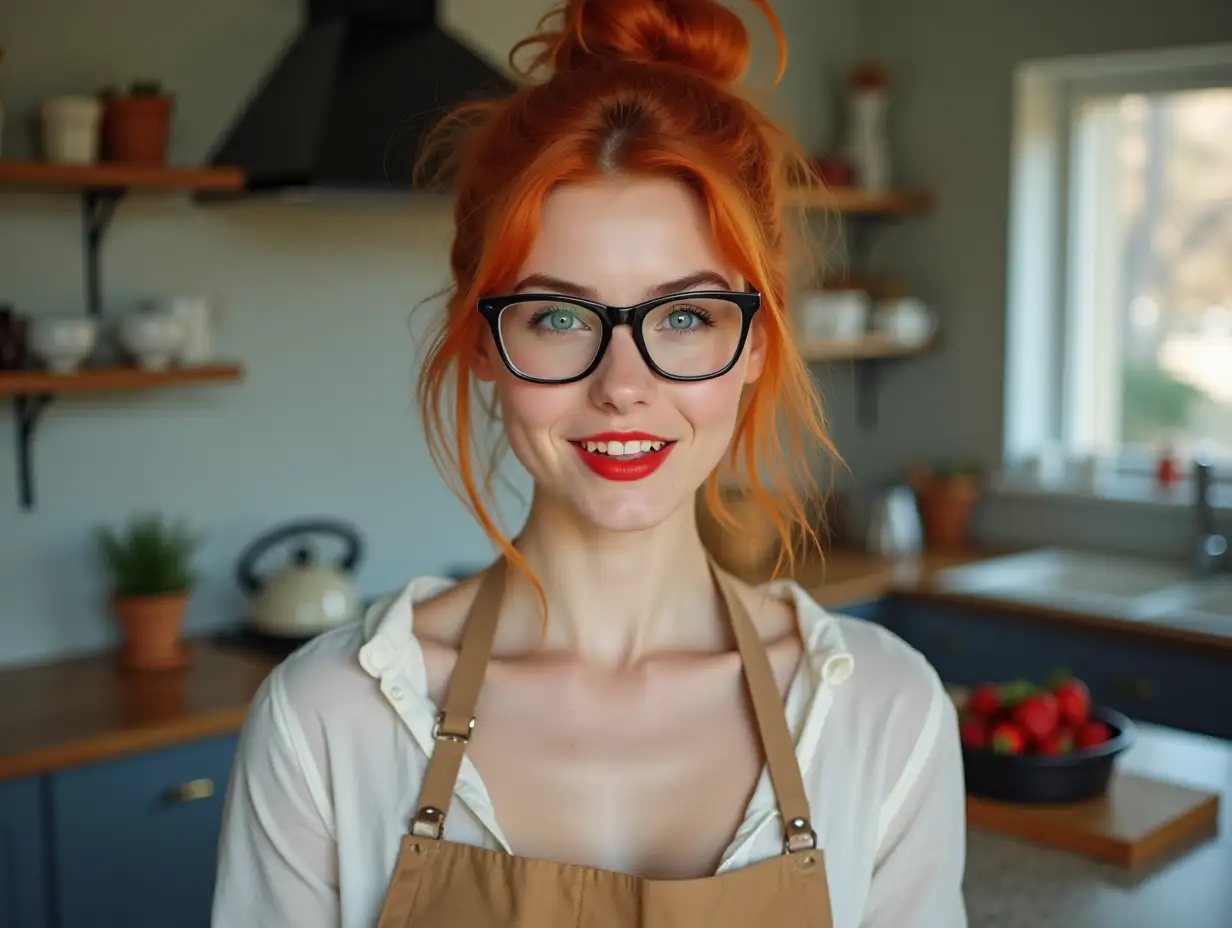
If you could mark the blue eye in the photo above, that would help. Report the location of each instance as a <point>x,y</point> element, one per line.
<point>558,319</point>
<point>686,317</point>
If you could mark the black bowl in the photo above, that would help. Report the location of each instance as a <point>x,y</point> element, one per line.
<point>1082,774</point>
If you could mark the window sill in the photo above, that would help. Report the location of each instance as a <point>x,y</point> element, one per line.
<point>1120,492</point>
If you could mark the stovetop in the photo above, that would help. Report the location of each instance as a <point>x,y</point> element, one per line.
<point>249,639</point>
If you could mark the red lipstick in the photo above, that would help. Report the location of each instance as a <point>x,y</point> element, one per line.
<point>623,467</point>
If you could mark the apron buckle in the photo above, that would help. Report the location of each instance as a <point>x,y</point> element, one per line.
<point>440,735</point>
<point>428,823</point>
<point>799,836</point>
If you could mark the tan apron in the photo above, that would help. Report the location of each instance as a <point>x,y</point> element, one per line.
<point>441,883</point>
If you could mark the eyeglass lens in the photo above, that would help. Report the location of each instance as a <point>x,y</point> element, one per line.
<point>556,340</point>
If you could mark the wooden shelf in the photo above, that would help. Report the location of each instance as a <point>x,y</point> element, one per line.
<point>866,347</point>
<point>855,202</point>
<point>33,391</point>
<point>102,379</point>
<point>107,176</point>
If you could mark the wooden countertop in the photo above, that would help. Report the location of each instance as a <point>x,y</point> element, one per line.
<point>84,710</point>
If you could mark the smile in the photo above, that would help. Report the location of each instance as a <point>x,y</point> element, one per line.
<point>623,456</point>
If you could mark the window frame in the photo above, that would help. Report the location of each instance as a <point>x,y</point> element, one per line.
<point>1044,205</point>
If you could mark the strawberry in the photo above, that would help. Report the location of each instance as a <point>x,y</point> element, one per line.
<point>1008,738</point>
<point>985,701</point>
<point>1073,701</point>
<point>1037,715</point>
<point>974,733</point>
<point>1061,741</point>
<point>1091,734</point>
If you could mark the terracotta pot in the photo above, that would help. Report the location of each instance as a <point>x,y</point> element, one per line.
<point>152,631</point>
<point>945,510</point>
<point>136,128</point>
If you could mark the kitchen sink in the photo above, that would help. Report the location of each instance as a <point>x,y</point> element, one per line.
<point>1212,597</point>
<point>1067,577</point>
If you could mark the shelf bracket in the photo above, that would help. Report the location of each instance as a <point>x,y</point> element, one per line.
<point>867,378</point>
<point>29,408</point>
<point>98,205</point>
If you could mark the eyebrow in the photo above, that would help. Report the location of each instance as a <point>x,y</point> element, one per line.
<point>695,281</point>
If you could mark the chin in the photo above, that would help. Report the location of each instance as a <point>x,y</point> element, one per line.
<point>625,509</point>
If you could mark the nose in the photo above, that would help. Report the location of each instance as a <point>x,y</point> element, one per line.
<point>622,380</point>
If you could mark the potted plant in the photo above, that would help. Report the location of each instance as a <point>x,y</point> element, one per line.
<point>137,123</point>
<point>150,562</point>
<point>946,496</point>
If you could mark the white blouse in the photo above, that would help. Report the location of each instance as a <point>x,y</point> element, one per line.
<point>336,742</point>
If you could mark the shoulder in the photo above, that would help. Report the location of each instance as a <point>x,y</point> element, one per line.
<point>887,686</point>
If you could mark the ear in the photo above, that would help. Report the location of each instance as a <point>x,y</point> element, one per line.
<point>756,351</point>
<point>486,358</point>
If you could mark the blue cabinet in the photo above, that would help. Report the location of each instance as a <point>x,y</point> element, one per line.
<point>869,610</point>
<point>23,887</point>
<point>136,839</point>
<point>1149,680</point>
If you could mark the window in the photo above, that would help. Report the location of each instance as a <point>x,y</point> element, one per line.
<point>1119,338</point>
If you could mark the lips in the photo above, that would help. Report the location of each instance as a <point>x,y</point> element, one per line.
<point>623,456</point>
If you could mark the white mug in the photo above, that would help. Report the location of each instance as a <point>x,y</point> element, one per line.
<point>906,320</point>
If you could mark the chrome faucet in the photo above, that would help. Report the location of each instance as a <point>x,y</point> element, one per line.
<point>1210,546</point>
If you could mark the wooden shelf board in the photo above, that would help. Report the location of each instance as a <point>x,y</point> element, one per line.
<point>868,346</point>
<point>118,176</point>
<point>853,201</point>
<point>100,379</point>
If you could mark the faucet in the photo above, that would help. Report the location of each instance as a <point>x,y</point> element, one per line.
<point>1210,546</point>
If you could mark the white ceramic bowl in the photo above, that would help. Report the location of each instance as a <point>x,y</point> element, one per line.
<point>63,342</point>
<point>154,338</point>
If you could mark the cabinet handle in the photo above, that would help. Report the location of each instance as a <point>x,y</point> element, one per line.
<point>191,791</point>
<point>1133,687</point>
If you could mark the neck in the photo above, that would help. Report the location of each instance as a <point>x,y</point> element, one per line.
<point>615,598</point>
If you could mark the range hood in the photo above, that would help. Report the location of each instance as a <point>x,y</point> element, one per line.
<point>347,106</point>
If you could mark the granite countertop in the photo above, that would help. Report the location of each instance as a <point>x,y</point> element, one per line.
<point>1013,884</point>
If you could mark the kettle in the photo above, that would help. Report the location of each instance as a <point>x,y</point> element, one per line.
<point>894,529</point>
<point>304,597</point>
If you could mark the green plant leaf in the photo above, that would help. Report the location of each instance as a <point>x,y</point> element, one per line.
<point>149,556</point>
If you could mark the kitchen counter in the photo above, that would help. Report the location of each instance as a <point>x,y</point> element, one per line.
<point>1013,884</point>
<point>81,711</point>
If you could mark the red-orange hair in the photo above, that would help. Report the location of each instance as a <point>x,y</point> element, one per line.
<point>632,87</point>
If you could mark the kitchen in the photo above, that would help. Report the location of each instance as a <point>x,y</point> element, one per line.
<point>333,384</point>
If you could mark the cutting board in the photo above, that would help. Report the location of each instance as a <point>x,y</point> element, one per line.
<point>1135,820</point>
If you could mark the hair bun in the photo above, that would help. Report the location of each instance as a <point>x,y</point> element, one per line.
<point>702,36</point>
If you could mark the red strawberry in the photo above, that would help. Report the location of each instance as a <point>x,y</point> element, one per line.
<point>1061,741</point>
<point>974,734</point>
<point>1008,738</point>
<point>1037,715</point>
<point>985,701</point>
<point>1092,734</point>
<point>1073,701</point>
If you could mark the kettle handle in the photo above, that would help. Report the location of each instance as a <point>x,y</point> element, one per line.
<point>245,567</point>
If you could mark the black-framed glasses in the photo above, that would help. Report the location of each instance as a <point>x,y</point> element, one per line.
<point>549,338</point>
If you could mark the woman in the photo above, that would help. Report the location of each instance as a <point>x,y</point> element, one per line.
<point>640,739</point>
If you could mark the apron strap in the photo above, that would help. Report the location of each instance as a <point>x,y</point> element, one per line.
<point>455,723</point>
<point>771,718</point>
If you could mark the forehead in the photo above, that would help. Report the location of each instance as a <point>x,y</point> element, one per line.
<point>624,236</point>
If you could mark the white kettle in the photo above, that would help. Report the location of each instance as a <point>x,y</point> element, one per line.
<point>894,530</point>
<point>304,597</point>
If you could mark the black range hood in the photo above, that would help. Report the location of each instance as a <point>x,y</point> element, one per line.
<point>347,106</point>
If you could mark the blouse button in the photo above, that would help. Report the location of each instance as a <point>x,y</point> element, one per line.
<point>396,692</point>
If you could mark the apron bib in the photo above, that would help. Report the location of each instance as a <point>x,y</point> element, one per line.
<point>442,884</point>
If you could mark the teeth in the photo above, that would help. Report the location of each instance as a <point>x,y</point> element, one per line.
<point>622,448</point>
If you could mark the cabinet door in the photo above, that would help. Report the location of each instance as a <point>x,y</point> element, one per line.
<point>1152,681</point>
<point>23,888</point>
<point>869,609</point>
<point>136,839</point>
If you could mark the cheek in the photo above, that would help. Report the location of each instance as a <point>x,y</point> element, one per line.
<point>530,411</point>
<point>711,407</point>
